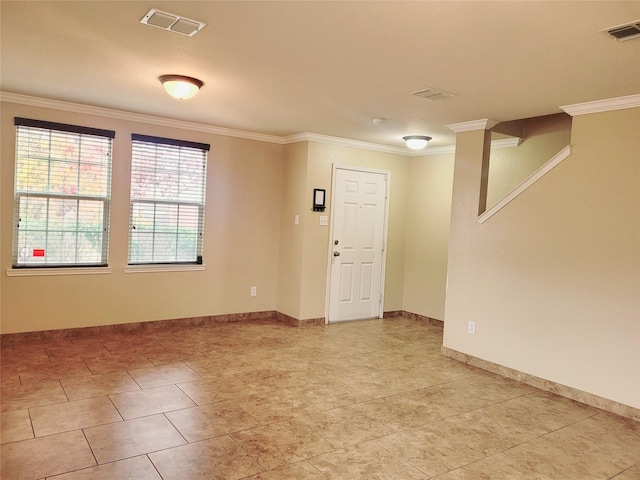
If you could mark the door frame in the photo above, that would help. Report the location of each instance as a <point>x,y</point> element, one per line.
<point>386,173</point>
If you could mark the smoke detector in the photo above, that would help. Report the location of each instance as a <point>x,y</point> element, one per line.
<point>624,32</point>
<point>432,94</point>
<point>172,22</point>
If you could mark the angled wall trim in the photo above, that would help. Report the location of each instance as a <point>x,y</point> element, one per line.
<point>630,101</point>
<point>526,183</point>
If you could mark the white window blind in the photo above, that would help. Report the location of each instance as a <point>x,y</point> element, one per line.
<point>62,190</point>
<point>168,180</point>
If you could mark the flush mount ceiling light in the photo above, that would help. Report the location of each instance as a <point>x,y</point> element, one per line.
<point>181,87</point>
<point>416,142</point>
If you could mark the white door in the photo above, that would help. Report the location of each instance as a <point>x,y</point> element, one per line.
<point>358,240</point>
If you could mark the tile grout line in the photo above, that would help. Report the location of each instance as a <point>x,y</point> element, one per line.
<point>271,390</point>
<point>164,414</point>
<point>84,434</point>
<point>523,442</point>
<point>154,465</point>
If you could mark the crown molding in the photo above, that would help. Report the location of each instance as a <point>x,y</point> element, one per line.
<point>134,117</point>
<point>446,149</point>
<point>450,149</point>
<point>618,103</point>
<point>484,124</point>
<point>200,127</point>
<point>345,142</point>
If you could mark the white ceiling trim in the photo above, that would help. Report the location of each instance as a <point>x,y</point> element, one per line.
<point>200,127</point>
<point>618,103</point>
<point>434,151</point>
<point>299,137</point>
<point>345,142</point>
<point>484,124</point>
<point>134,117</point>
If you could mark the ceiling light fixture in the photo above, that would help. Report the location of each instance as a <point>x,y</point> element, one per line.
<point>416,142</point>
<point>181,87</point>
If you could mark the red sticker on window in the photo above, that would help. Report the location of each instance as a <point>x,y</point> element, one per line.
<point>38,252</point>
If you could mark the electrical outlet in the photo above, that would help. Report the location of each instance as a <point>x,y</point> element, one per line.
<point>471,328</point>
<point>254,291</point>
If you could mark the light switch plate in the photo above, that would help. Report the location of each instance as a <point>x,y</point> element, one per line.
<point>324,220</point>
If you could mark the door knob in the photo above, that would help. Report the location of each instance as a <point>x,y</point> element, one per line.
<point>336,254</point>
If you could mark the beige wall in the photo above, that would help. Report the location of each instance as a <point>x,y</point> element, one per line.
<point>543,138</point>
<point>294,178</point>
<point>553,279</point>
<point>322,157</point>
<point>242,235</point>
<point>417,232</point>
<point>312,239</point>
<point>427,237</point>
<point>254,191</point>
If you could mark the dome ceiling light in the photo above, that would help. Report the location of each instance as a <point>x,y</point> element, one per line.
<point>180,86</point>
<point>416,142</point>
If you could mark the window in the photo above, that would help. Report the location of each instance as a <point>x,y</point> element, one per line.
<point>62,189</point>
<point>167,200</point>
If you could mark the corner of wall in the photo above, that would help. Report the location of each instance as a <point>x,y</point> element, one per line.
<point>552,281</point>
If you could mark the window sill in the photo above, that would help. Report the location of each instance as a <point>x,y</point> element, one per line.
<point>39,272</point>
<point>163,268</point>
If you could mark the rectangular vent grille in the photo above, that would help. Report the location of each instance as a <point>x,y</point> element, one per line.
<point>432,94</point>
<point>172,22</point>
<point>624,32</point>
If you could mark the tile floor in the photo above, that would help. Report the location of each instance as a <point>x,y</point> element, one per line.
<point>360,400</point>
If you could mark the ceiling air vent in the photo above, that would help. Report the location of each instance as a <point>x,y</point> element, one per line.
<point>624,32</point>
<point>172,22</point>
<point>432,94</point>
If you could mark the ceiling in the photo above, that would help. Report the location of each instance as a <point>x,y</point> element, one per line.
<point>325,67</point>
